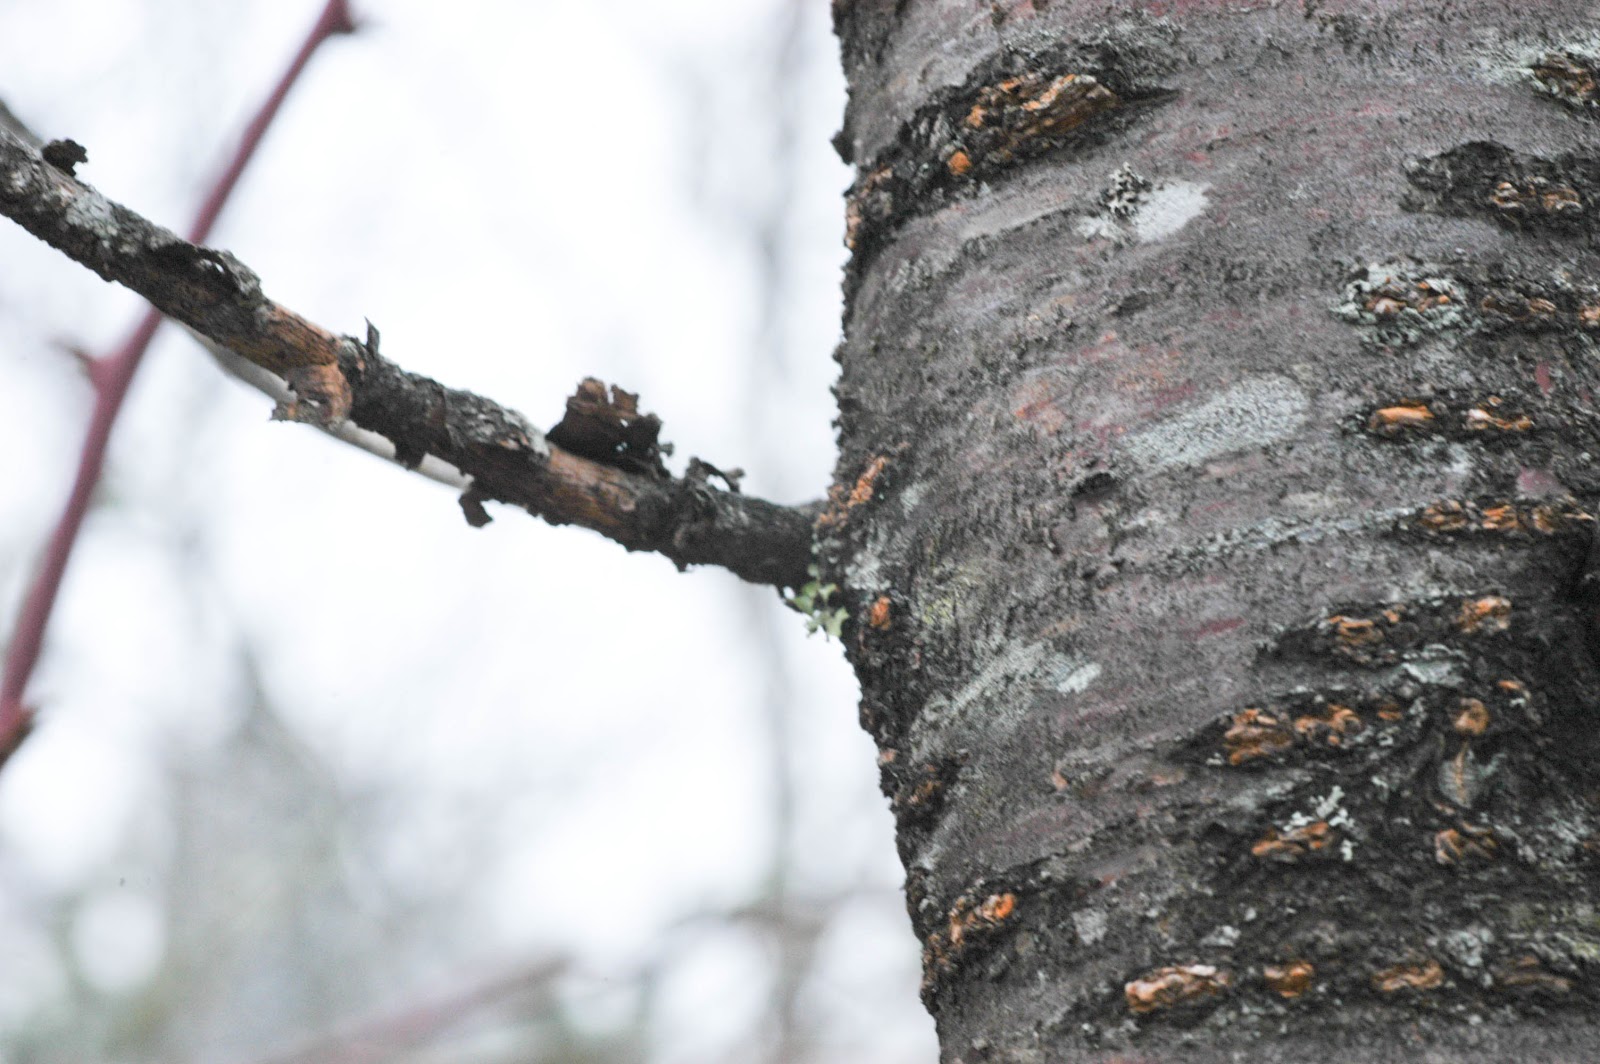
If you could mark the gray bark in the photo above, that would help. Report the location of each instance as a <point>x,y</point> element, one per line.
<point>1217,428</point>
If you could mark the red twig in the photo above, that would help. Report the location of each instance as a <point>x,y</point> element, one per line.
<point>111,375</point>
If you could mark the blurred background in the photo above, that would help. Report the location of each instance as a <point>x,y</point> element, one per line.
<point>323,774</point>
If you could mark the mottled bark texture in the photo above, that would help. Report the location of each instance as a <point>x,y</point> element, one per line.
<point>1218,440</point>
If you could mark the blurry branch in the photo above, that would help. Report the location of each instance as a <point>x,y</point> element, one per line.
<point>600,468</point>
<point>112,374</point>
<point>382,1036</point>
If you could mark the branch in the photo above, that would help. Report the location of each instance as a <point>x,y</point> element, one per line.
<point>111,376</point>
<point>613,491</point>
<point>385,1035</point>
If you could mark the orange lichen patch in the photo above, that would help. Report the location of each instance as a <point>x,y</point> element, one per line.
<point>1390,710</point>
<point>1353,631</point>
<point>1462,778</point>
<point>1546,518</point>
<point>1288,980</point>
<point>1491,613</point>
<point>841,503</point>
<point>1517,307</point>
<point>1331,726</point>
<point>1423,975</point>
<point>1514,688</point>
<point>998,907</point>
<point>1006,116</point>
<point>1554,517</point>
<point>1589,316</point>
<point>1366,638</point>
<point>1501,519</point>
<point>1527,973</point>
<point>1561,199</point>
<point>1471,717</point>
<point>924,794</point>
<point>1485,417</point>
<point>1568,77</point>
<point>959,163</point>
<point>870,197</point>
<point>1454,846</point>
<point>1294,844</point>
<point>1535,194</point>
<point>968,923</point>
<point>967,919</point>
<point>1389,299</point>
<point>878,614</point>
<point>862,491</point>
<point>1402,417</point>
<point>1255,733</point>
<point>1448,516</point>
<point>1186,984</point>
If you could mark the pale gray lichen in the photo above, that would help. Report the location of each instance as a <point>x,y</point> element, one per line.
<point>1074,676</point>
<point>1133,206</point>
<point>1254,413</point>
<point>1330,810</point>
<point>1401,304</point>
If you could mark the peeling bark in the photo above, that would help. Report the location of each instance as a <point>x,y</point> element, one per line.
<point>1215,508</point>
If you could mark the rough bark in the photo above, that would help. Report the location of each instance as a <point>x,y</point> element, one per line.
<point>1217,428</point>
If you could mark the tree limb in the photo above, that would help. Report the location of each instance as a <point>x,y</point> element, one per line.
<point>337,378</point>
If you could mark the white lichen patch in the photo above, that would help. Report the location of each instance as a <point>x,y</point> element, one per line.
<point>1255,413</point>
<point>1073,677</point>
<point>1016,662</point>
<point>1132,207</point>
<point>1440,671</point>
<point>911,495</point>
<point>869,566</point>
<point>1090,924</point>
<point>1168,209</point>
<point>90,211</point>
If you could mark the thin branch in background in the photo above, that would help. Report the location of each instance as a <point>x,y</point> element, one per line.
<point>383,1035</point>
<point>795,940</point>
<point>111,375</point>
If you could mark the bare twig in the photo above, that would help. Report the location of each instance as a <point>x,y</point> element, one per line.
<point>338,377</point>
<point>383,1035</point>
<point>111,376</point>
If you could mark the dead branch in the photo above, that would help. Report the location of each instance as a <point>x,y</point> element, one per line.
<point>336,378</point>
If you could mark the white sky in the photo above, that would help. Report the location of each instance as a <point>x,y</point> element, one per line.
<point>518,195</point>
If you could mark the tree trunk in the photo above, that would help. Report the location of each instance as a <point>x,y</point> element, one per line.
<point>1217,430</point>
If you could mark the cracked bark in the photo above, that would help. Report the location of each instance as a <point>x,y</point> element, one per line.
<point>335,379</point>
<point>1216,486</point>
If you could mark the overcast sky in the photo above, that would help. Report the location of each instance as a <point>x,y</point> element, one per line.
<point>518,195</point>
